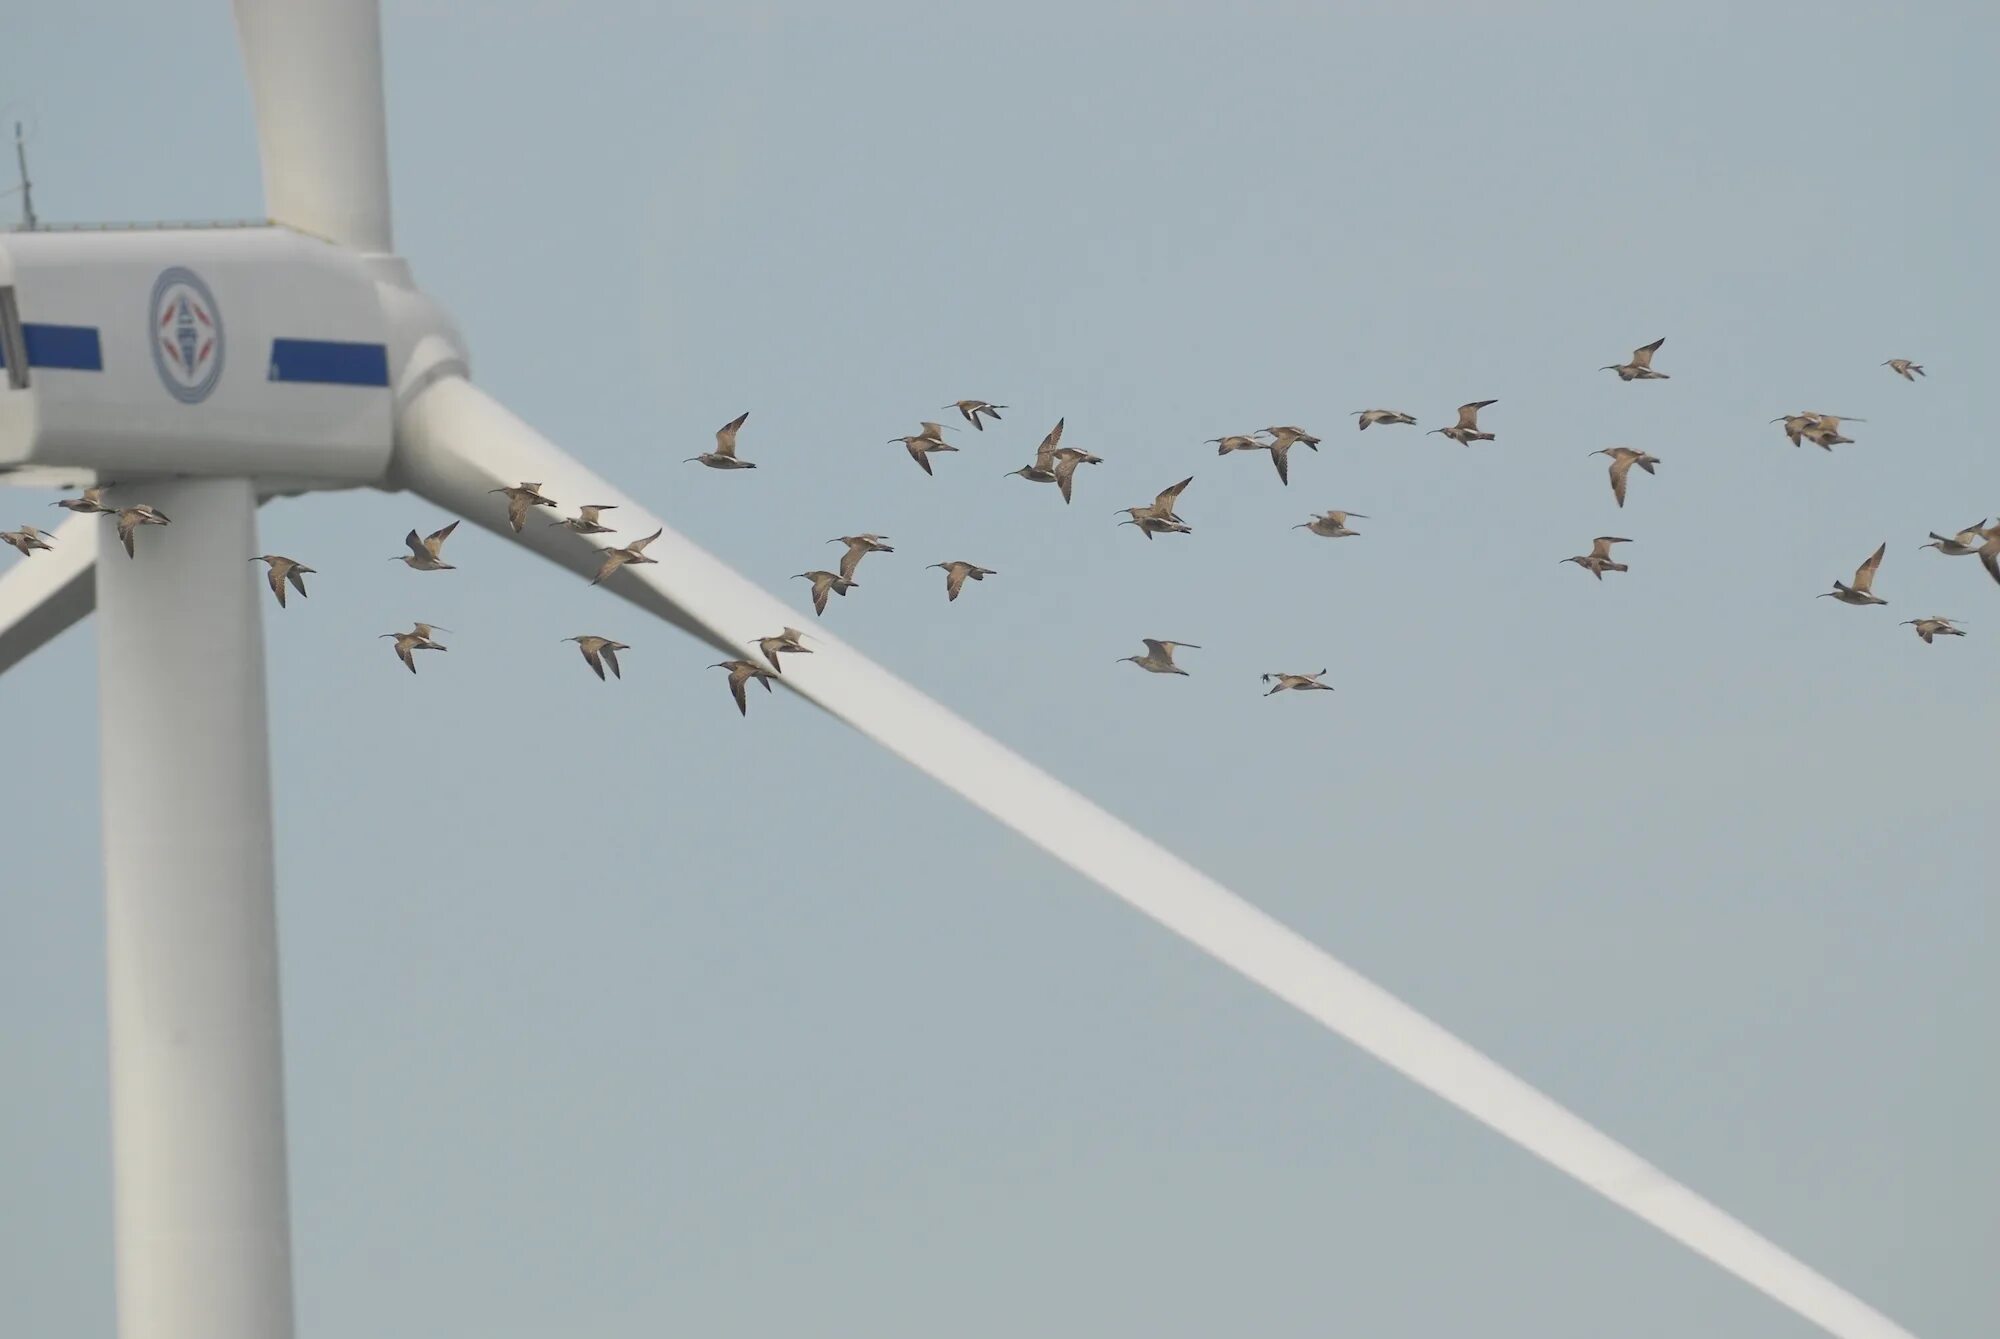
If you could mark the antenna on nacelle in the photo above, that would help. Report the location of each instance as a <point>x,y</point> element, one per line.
<point>26,188</point>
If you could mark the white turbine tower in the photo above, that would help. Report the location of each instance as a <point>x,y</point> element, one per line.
<point>204,370</point>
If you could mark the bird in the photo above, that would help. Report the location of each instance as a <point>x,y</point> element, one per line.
<point>1864,579</point>
<point>1466,431</point>
<point>1795,426</point>
<point>1989,552</point>
<point>1281,456</point>
<point>1641,366</point>
<point>519,500</point>
<point>1623,458</point>
<point>1067,459</point>
<point>1155,525</point>
<point>972,409</point>
<point>740,672</point>
<point>1331,524</point>
<point>1236,442</point>
<point>423,554</point>
<point>1598,561</point>
<point>921,445</point>
<point>131,518</point>
<point>1370,417</point>
<point>281,570</point>
<point>724,455</point>
<point>1042,469</point>
<point>858,547</point>
<point>1902,367</point>
<point>599,652</point>
<point>1960,545</point>
<point>955,573</point>
<point>1162,506</point>
<point>417,639</point>
<point>1159,657</point>
<point>1825,431</point>
<point>1288,436</point>
<point>790,640</point>
<point>91,501</point>
<point>1302,682</point>
<point>27,539</point>
<point>635,552</point>
<point>1935,626</point>
<point>824,581</point>
<point>585,520</point>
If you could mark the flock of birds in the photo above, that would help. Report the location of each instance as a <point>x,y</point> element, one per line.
<point>1056,464</point>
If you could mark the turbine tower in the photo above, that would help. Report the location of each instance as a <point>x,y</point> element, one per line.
<point>202,371</point>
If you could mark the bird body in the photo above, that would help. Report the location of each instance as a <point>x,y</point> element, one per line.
<point>1623,458</point>
<point>724,455</point>
<point>598,652</point>
<point>1159,657</point>
<point>955,573</point>
<point>1368,418</point>
<point>1862,591</point>
<point>281,570</point>
<point>1641,366</point>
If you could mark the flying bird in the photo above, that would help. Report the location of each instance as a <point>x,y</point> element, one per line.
<point>1934,626</point>
<point>1300,682</point>
<point>1331,524</point>
<point>1989,552</point>
<point>635,552</point>
<point>27,539</point>
<point>519,500</point>
<point>1162,506</point>
<point>1598,561</point>
<point>955,573</point>
<point>423,554</point>
<point>1861,592</point>
<point>724,455</point>
<point>417,639</point>
<point>972,409</point>
<point>858,547</point>
<point>599,652</point>
<point>1902,367</point>
<point>790,641</point>
<point>1370,417</point>
<point>1641,366</point>
<point>1623,458</point>
<point>1963,544</point>
<point>824,581</point>
<point>1042,470</point>
<point>91,501</point>
<point>1236,442</point>
<point>1159,657</point>
<point>131,518</point>
<point>585,521</point>
<point>281,570</point>
<point>1155,525</point>
<point>1066,461</point>
<point>1466,431</point>
<point>740,673</point>
<point>924,443</point>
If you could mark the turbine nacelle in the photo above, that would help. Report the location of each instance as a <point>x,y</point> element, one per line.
<point>251,351</point>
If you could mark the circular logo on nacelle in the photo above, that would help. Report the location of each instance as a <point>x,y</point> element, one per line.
<point>186,335</point>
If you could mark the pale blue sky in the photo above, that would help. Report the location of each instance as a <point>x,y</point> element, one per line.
<point>653,1019</point>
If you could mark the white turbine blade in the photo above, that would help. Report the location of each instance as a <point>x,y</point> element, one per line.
<point>456,442</point>
<point>316,80</point>
<point>41,597</point>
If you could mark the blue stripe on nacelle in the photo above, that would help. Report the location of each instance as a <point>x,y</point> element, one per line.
<point>329,362</point>
<point>73,348</point>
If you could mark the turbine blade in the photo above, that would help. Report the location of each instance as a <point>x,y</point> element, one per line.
<point>41,597</point>
<point>315,71</point>
<point>456,441</point>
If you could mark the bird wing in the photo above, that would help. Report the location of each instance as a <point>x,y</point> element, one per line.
<point>126,524</point>
<point>918,454</point>
<point>736,678</point>
<point>276,576</point>
<point>1864,575</point>
<point>518,502</point>
<point>639,545</point>
<point>1620,468</point>
<point>403,645</point>
<point>725,436</point>
<point>1165,501</point>
<point>1643,356</point>
<point>954,580</point>
<point>611,659</point>
<point>590,655</point>
<point>435,540</point>
<point>851,560</point>
<point>1048,447</point>
<point>412,539</point>
<point>1281,456</point>
<point>1468,414</point>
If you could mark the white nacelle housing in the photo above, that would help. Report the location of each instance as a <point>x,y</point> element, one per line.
<point>248,351</point>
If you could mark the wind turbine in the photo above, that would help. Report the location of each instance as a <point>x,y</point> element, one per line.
<point>204,370</point>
